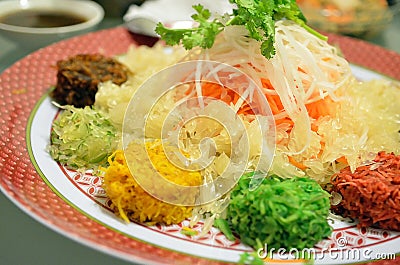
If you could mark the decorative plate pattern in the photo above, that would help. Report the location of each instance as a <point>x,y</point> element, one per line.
<point>31,187</point>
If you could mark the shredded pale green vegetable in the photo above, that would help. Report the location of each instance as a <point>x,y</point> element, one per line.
<point>82,138</point>
<point>282,213</point>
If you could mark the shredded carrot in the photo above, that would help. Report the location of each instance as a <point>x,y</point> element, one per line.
<point>297,164</point>
<point>316,109</point>
<point>320,108</point>
<point>343,160</point>
<point>217,91</point>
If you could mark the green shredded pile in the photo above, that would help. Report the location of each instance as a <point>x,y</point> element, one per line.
<point>282,213</point>
<point>82,138</point>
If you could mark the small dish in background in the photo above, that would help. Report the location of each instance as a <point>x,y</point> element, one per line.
<point>358,18</point>
<point>32,24</point>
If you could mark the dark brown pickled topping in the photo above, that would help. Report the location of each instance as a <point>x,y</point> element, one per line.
<point>79,76</point>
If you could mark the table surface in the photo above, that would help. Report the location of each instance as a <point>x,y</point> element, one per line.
<point>23,240</point>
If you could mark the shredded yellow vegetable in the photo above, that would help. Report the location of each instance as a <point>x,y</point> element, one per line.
<point>132,203</point>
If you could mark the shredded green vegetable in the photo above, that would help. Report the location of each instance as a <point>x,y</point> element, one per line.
<point>82,138</point>
<point>189,232</point>
<point>223,226</point>
<point>282,213</point>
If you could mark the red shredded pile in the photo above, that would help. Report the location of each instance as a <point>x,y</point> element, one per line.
<point>372,193</point>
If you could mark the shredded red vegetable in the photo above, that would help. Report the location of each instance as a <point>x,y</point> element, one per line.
<point>372,193</point>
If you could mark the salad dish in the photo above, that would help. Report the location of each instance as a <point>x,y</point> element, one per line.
<point>250,138</point>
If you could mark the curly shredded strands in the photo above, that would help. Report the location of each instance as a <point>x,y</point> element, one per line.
<point>283,213</point>
<point>303,83</point>
<point>372,193</point>
<point>143,62</point>
<point>209,212</point>
<point>360,127</point>
<point>132,203</point>
<point>82,138</point>
<point>304,70</point>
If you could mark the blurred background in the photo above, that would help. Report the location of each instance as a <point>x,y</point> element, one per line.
<point>376,21</point>
<point>365,19</point>
<point>117,8</point>
<point>357,18</point>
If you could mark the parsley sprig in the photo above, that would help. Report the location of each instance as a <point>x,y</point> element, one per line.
<point>258,16</point>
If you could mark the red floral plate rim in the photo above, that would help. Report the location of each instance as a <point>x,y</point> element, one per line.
<point>24,84</point>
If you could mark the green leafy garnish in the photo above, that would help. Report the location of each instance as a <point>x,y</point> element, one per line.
<point>202,36</point>
<point>258,16</point>
<point>282,213</point>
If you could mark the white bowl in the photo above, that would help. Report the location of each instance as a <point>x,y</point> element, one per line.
<point>35,37</point>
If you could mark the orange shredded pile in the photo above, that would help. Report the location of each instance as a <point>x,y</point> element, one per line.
<point>372,193</point>
<point>217,91</point>
<point>317,109</point>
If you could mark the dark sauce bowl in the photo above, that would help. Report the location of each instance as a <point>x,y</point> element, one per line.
<point>36,23</point>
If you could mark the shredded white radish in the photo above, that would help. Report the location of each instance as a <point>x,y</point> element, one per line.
<point>305,69</point>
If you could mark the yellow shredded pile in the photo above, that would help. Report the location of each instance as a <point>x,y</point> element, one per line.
<point>132,203</point>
